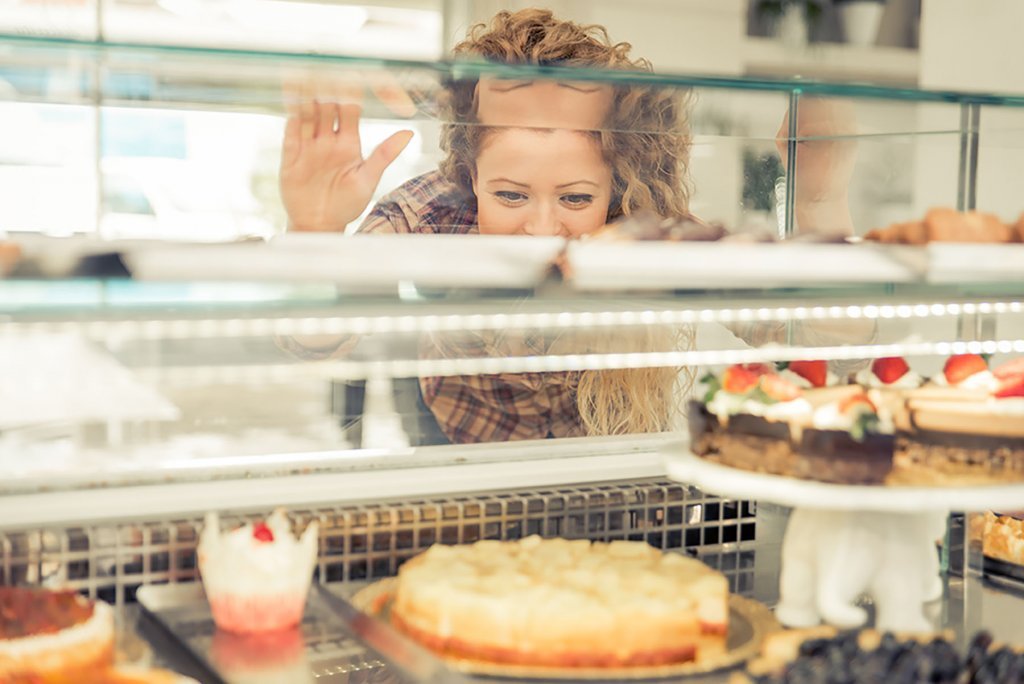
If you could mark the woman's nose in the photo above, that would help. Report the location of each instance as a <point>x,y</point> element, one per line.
<point>544,221</point>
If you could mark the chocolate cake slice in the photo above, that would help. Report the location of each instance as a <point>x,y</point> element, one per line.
<point>838,438</point>
<point>744,441</point>
<point>968,441</point>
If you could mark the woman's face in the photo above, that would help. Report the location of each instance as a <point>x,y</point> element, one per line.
<point>541,182</point>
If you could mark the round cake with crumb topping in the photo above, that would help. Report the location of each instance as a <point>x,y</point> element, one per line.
<point>48,633</point>
<point>561,603</point>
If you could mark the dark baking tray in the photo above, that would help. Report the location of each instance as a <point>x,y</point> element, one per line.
<point>332,651</point>
<point>1004,569</point>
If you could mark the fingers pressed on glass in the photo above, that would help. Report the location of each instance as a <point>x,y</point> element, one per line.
<point>327,116</point>
<point>348,122</point>
<point>307,119</point>
<point>292,140</point>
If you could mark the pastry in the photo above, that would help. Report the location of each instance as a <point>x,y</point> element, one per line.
<point>1018,229</point>
<point>1003,538</point>
<point>561,603</point>
<point>52,634</point>
<point>754,419</point>
<point>647,226</point>
<point>10,253</point>
<point>257,576</point>
<point>946,225</point>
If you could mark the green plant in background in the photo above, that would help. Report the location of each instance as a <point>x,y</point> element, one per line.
<point>792,21</point>
<point>774,9</point>
<point>760,171</point>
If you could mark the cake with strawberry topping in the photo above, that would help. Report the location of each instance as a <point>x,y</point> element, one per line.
<point>964,426</point>
<point>755,419</point>
<point>851,440</point>
<point>52,635</point>
<point>968,425</point>
<point>257,576</point>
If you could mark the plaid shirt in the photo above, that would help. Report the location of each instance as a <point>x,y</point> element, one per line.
<point>477,408</point>
<point>495,408</point>
<point>427,204</point>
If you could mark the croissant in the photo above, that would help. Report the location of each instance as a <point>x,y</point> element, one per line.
<point>943,224</point>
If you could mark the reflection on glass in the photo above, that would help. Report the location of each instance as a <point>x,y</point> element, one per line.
<point>548,158</point>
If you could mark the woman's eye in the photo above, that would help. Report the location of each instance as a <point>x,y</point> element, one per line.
<point>510,196</point>
<point>577,200</point>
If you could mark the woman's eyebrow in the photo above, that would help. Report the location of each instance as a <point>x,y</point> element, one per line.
<point>509,181</point>
<point>508,86</point>
<point>580,88</point>
<point>579,182</point>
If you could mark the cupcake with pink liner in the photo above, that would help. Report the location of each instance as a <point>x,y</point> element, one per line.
<point>261,658</point>
<point>257,576</point>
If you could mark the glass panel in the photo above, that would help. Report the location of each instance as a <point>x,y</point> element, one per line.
<point>182,395</point>
<point>66,18</point>
<point>293,358</point>
<point>395,29</point>
<point>1001,162</point>
<point>48,179</point>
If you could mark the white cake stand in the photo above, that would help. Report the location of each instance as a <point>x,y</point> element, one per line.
<point>843,541</point>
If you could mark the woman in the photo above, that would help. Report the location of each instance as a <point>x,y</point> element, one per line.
<point>521,158</point>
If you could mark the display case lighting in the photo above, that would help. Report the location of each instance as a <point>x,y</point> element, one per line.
<point>437,323</point>
<point>396,368</point>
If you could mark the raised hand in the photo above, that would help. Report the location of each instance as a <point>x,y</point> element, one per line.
<point>326,183</point>
<point>825,158</point>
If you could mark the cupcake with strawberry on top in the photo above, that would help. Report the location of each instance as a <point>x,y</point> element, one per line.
<point>257,576</point>
<point>889,372</point>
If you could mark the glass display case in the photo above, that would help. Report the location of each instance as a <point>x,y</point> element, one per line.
<point>171,349</point>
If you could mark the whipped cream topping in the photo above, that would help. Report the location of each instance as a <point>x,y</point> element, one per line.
<point>828,417</point>
<point>982,380</point>
<point>909,380</point>
<point>725,404</point>
<point>236,562</point>
<point>831,379</point>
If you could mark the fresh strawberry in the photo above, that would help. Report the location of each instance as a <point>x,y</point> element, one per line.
<point>778,388</point>
<point>262,533</point>
<point>739,379</point>
<point>814,372</point>
<point>759,368</point>
<point>1012,386</point>
<point>962,366</point>
<point>853,401</point>
<point>1009,369</point>
<point>889,369</point>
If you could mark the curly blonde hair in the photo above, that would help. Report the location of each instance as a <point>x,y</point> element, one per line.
<point>645,141</point>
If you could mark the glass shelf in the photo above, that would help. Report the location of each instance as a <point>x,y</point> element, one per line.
<point>26,301</point>
<point>129,72</point>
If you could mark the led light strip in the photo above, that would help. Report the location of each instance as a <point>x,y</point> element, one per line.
<point>432,323</point>
<point>401,368</point>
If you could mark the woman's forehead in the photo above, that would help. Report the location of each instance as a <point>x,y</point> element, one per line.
<point>543,104</point>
